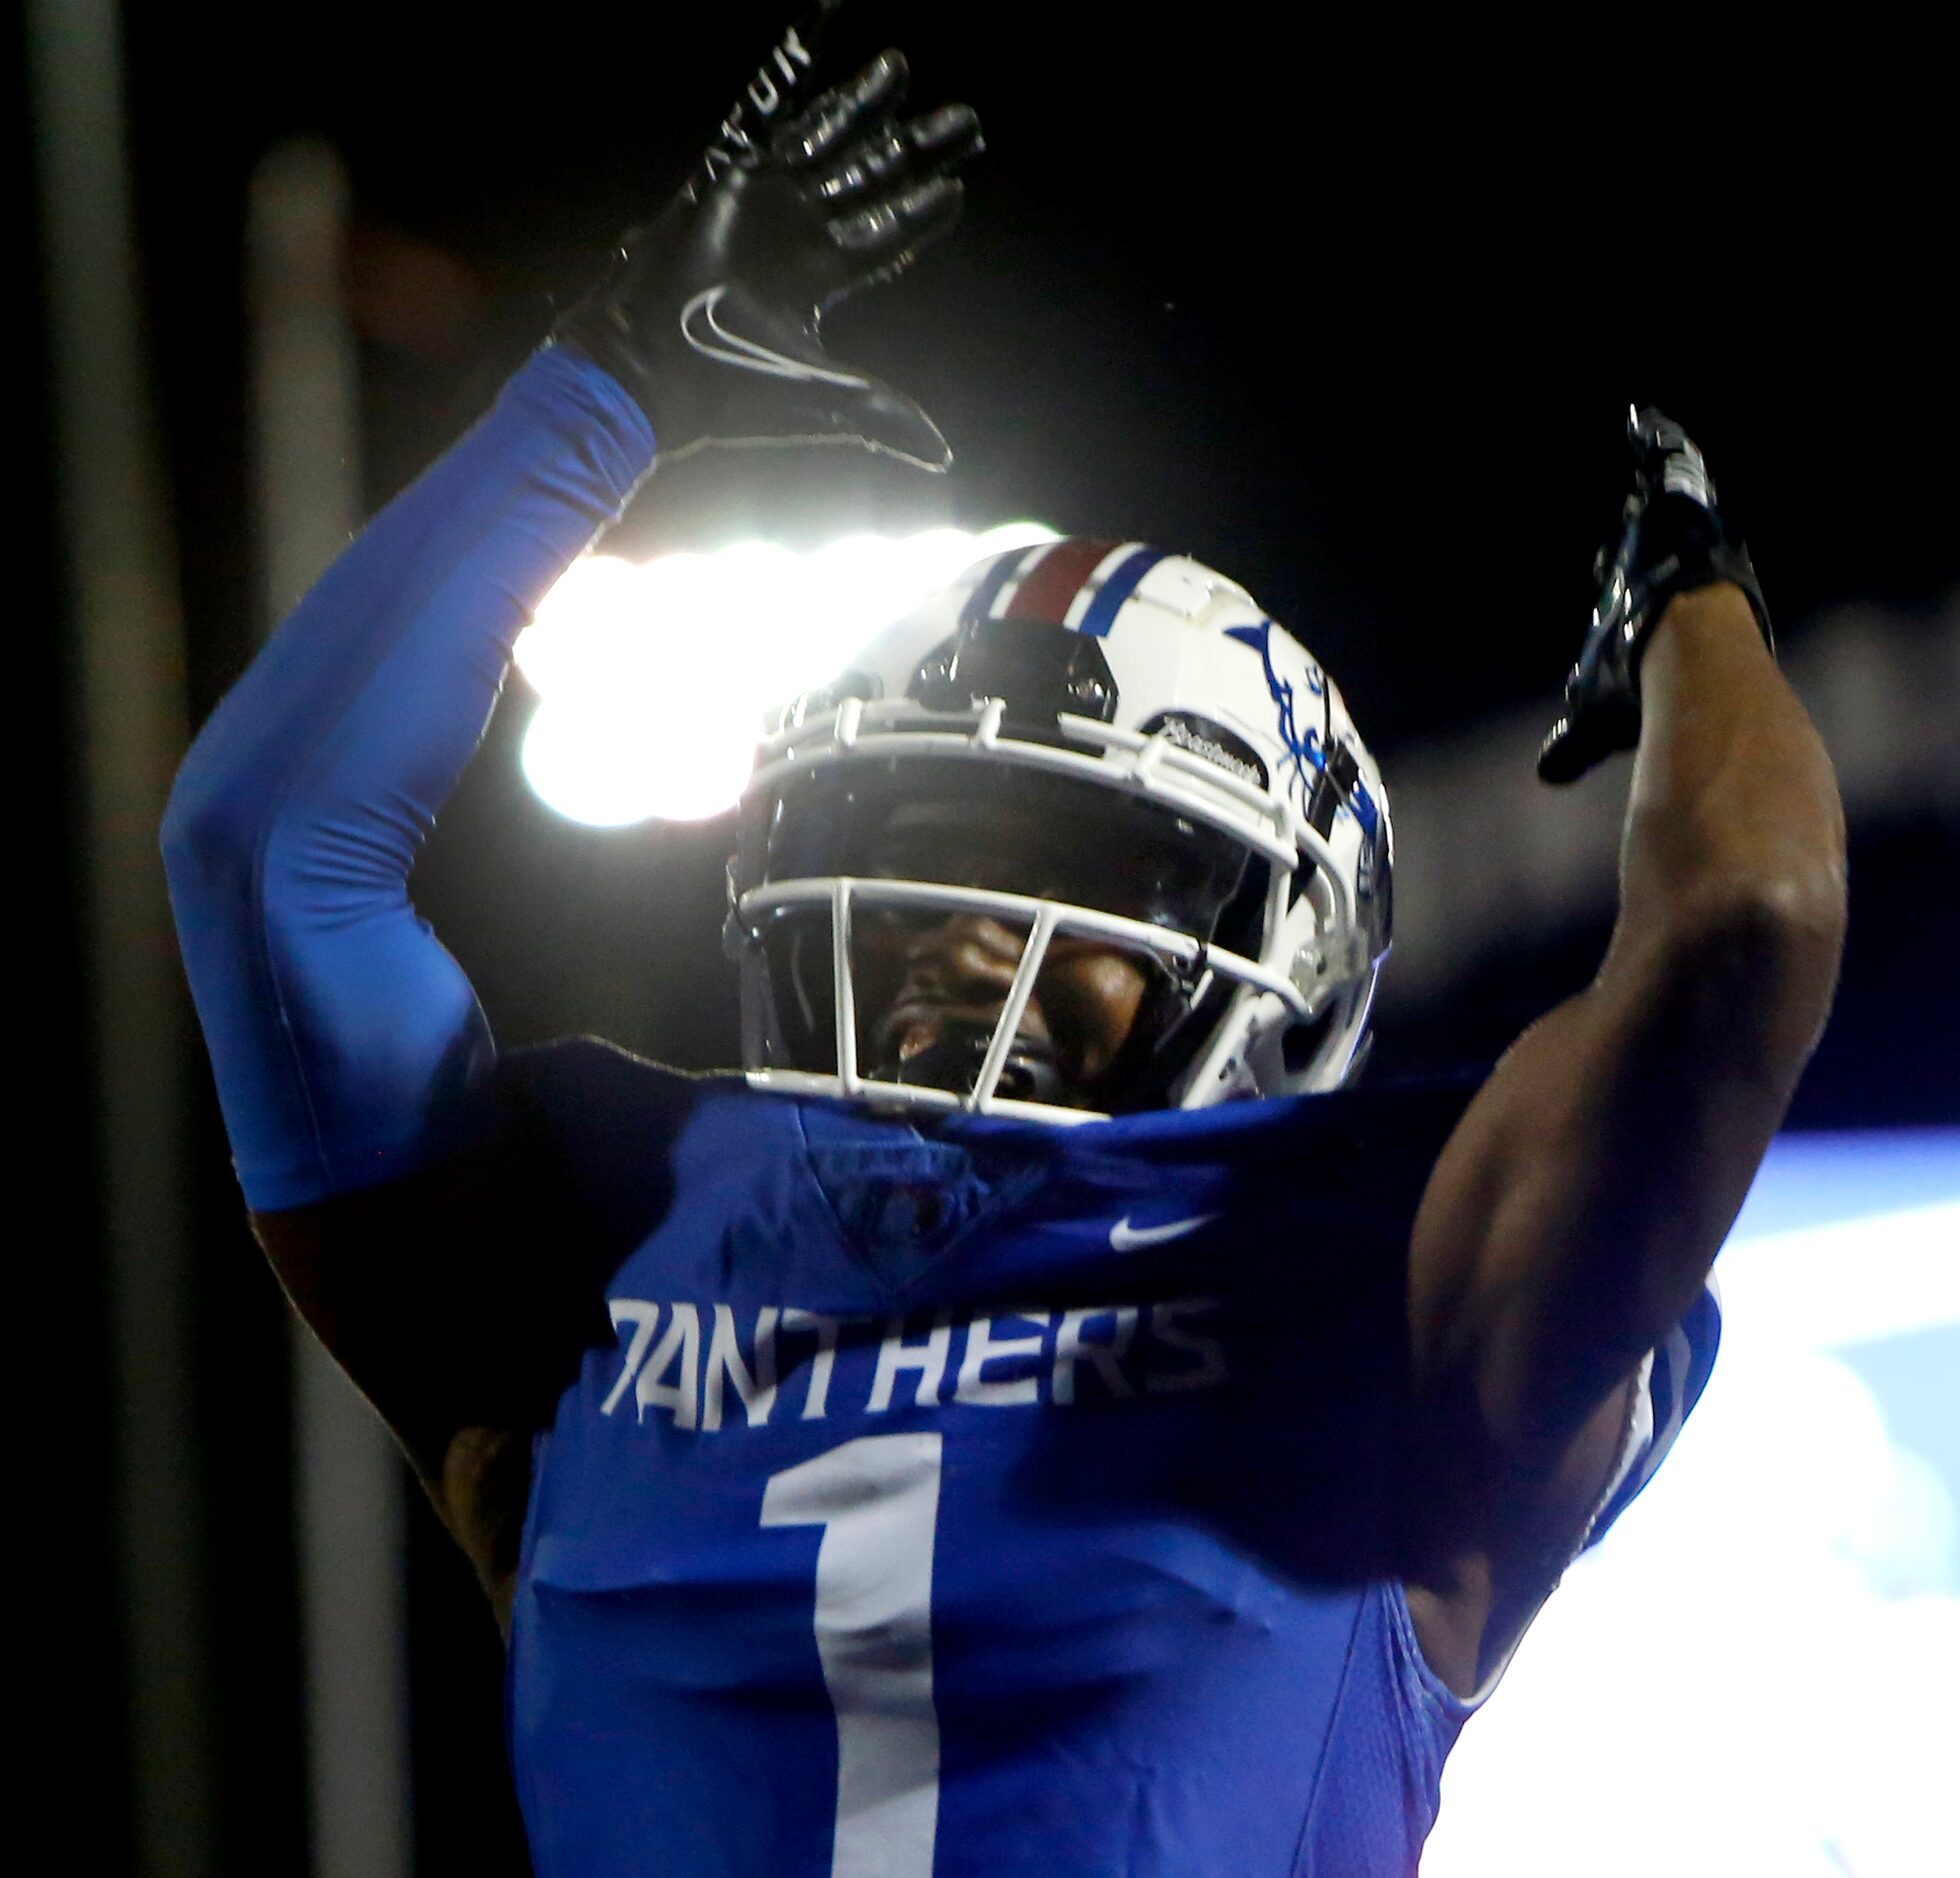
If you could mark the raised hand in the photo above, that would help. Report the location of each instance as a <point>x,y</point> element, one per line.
<point>1672,539</point>
<point>711,314</point>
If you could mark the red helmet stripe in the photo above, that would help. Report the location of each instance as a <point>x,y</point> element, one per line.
<point>1047,588</point>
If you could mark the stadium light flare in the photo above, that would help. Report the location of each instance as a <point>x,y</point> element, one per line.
<point>654,677</point>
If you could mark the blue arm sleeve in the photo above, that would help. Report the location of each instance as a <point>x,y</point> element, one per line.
<point>341,1032</point>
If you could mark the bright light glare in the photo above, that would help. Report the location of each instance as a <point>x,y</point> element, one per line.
<point>1754,1671</point>
<point>1908,1266</point>
<point>654,678</point>
<point>609,762</point>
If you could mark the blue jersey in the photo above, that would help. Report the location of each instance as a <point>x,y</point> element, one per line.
<point>988,1497</point>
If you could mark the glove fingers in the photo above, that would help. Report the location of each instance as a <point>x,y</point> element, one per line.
<point>932,145</point>
<point>944,139</point>
<point>1582,739</point>
<point>1562,759</point>
<point>1649,428</point>
<point>882,237</point>
<point>819,134</point>
<point>872,163</point>
<point>1666,459</point>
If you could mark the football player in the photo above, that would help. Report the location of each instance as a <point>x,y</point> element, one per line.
<point>1042,1415</point>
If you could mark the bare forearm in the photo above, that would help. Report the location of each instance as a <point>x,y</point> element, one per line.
<point>1734,848</point>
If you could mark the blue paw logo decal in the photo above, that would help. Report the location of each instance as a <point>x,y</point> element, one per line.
<point>1306,758</point>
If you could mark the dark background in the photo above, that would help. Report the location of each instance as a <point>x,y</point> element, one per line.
<point>1353,314</point>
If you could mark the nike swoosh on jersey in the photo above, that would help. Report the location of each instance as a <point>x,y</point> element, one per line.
<point>1124,1237</point>
<point>709,337</point>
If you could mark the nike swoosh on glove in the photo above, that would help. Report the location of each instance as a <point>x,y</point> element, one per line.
<point>710,316</point>
<point>1672,540</point>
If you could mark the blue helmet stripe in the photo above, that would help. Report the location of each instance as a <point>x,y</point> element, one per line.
<point>980,602</point>
<point>1121,583</point>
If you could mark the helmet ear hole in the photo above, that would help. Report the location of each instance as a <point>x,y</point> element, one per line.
<point>1242,919</point>
<point>1301,1043</point>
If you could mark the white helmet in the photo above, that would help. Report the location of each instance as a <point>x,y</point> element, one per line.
<point>1148,708</point>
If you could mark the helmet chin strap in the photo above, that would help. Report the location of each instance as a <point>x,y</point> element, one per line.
<point>1160,1045</point>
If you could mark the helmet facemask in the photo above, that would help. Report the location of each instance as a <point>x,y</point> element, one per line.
<point>929,979</point>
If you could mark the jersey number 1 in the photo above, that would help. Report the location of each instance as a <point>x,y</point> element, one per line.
<point>877,1500</point>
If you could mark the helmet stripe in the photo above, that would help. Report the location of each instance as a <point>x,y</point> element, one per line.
<point>1116,589</point>
<point>1048,587</point>
<point>1085,595</point>
<point>980,602</point>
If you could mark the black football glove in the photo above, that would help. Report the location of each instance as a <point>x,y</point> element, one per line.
<point>710,315</point>
<point>1672,540</point>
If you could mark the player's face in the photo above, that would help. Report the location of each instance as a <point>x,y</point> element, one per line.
<point>935,988</point>
<point>931,987</point>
